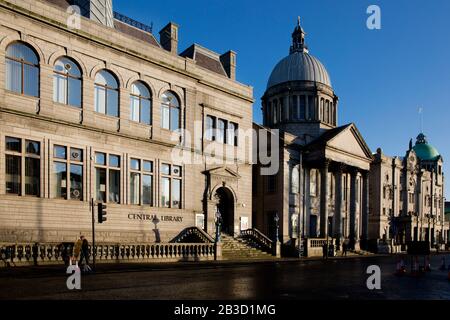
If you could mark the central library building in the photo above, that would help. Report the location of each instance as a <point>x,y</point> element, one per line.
<point>95,112</point>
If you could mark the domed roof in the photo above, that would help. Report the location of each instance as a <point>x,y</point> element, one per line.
<point>299,65</point>
<point>424,150</point>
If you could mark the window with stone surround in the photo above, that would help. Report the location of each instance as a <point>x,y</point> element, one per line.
<point>141,182</point>
<point>106,94</point>
<point>67,82</point>
<point>22,69</point>
<point>22,166</point>
<point>107,177</point>
<point>171,183</point>
<point>140,103</point>
<point>170,111</point>
<point>67,177</point>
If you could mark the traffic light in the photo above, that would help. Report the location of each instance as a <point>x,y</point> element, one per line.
<point>101,212</point>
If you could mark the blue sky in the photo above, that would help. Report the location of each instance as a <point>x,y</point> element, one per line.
<point>381,76</point>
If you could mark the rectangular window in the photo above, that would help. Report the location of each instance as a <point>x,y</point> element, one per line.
<point>311,108</point>
<point>60,180</point>
<point>134,106</point>
<point>67,180</point>
<point>17,151</point>
<point>231,134</point>
<point>76,182</point>
<point>114,186</point>
<point>165,192</point>
<point>147,190</point>
<point>135,192</point>
<point>165,117</point>
<point>13,144</point>
<point>100,184</point>
<point>302,111</point>
<point>220,132</point>
<point>294,101</point>
<point>13,172</point>
<point>171,186</point>
<point>113,103</point>
<point>100,99</point>
<point>14,82</point>
<point>107,166</point>
<point>32,176</point>
<point>209,128</point>
<point>176,193</point>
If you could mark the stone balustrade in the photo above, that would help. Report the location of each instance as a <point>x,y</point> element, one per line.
<point>28,254</point>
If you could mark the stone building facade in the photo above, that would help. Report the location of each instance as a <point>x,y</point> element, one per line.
<point>407,198</point>
<point>95,112</point>
<point>321,189</point>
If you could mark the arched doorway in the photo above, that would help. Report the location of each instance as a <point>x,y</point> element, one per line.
<point>225,205</point>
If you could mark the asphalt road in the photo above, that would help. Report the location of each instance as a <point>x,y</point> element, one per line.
<point>333,279</point>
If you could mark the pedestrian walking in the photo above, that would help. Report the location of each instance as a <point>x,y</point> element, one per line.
<point>344,248</point>
<point>77,250</point>
<point>84,254</point>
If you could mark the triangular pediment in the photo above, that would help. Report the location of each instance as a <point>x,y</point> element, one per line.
<point>223,172</point>
<point>350,141</point>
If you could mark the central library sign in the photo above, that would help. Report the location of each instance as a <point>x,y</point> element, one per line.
<point>154,218</point>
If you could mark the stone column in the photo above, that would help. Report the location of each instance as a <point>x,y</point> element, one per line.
<point>353,235</point>
<point>365,209</point>
<point>324,199</point>
<point>339,203</point>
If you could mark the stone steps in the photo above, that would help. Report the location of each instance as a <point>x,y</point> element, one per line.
<point>239,249</point>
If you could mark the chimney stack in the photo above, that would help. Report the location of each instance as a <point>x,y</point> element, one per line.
<point>228,60</point>
<point>168,37</point>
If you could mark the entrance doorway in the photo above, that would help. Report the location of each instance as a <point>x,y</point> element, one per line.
<point>225,204</point>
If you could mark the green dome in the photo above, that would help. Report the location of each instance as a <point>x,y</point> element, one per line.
<point>424,150</point>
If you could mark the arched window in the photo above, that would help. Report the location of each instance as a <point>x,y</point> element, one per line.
<point>170,111</point>
<point>67,82</point>
<point>294,107</point>
<point>22,69</point>
<point>140,103</point>
<point>232,134</point>
<point>332,116</point>
<point>327,112</point>
<point>106,93</point>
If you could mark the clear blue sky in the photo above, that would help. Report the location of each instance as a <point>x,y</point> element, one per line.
<point>381,76</point>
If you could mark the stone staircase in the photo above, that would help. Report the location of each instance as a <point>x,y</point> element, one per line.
<point>240,249</point>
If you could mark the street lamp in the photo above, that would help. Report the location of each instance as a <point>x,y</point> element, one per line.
<point>276,219</point>
<point>218,224</point>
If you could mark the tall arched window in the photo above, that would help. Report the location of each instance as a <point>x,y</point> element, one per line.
<point>67,82</point>
<point>140,103</point>
<point>170,111</point>
<point>22,69</point>
<point>321,116</point>
<point>327,112</point>
<point>106,93</point>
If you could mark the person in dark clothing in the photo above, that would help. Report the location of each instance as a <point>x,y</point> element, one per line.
<point>344,248</point>
<point>84,251</point>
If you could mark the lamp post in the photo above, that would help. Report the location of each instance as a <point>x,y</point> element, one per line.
<point>218,224</point>
<point>276,219</point>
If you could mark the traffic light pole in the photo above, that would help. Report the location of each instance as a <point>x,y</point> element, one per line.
<point>93,233</point>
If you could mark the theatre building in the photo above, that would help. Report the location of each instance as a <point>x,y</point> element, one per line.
<point>94,107</point>
<point>407,200</point>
